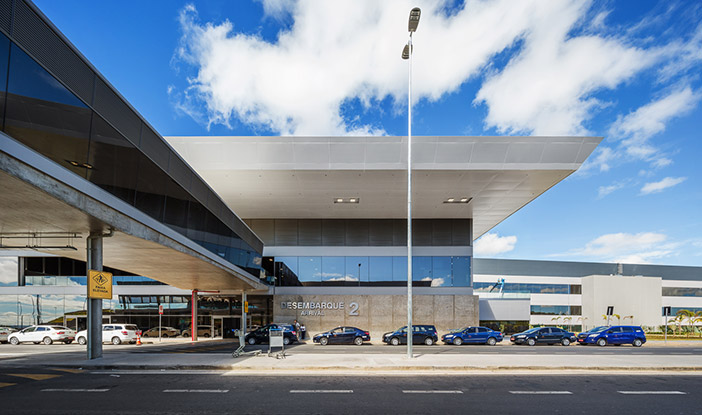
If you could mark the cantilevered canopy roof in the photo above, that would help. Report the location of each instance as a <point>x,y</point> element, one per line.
<point>300,177</point>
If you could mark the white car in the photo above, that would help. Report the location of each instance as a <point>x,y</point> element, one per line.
<point>112,333</point>
<point>5,333</point>
<point>46,334</point>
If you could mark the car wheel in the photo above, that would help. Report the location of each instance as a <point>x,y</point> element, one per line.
<point>186,334</point>
<point>601,342</point>
<point>637,343</point>
<point>457,341</point>
<point>323,341</point>
<point>116,340</point>
<point>14,341</point>
<point>358,341</point>
<point>428,341</point>
<point>81,340</point>
<point>286,341</point>
<point>395,341</point>
<point>565,342</point>
<point>68,341</point>
<point>47,340</point>
<point>251,341</point>
<point>531,342</point>
<point>206,335</point>
<point>492,341</point>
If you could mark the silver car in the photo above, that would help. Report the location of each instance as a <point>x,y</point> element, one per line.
<point>5,333</point>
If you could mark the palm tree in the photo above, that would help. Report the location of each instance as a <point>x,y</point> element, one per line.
<point>556,319</point>
<point>618,317</point>
<point>631,318</point>
<point>686,314</point>
<point>568,319</point>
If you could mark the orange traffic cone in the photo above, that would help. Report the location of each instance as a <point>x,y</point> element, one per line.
<point>138,338</point>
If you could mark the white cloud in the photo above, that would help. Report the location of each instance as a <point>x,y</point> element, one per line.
<point>640,248</point>
<point>339,51</point>
<point>656,187</point>
<point>8,270</point>
<point>493,244</point>
<point>603,191</point>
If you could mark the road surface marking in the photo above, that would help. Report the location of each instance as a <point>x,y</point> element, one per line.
<point>541,392</point>
<point>34,376</point>
<point>681,353</point>
<point>156,372</point>
<point>69,370</point>
<point>2,385</point>
<point>652,393</point>
<point>321,391</point>
<point>196,390</point>
<point>75,390</point>
<point>431,391</point>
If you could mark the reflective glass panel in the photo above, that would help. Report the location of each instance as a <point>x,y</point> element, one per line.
<point>380,269</point>
<point>441,271</point>
<point>461,271</point>
<point>310,269</point>
<point>334,270</point>
<point>357,268</point>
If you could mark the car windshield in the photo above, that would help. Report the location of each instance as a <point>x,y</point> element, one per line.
<point>532,330</point>
<point>598,329</point>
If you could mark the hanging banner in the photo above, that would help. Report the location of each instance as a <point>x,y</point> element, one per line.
<point>99,284</point>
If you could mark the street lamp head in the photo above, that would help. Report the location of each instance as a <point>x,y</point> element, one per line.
<point>406,52</point>
<point>414,19</point>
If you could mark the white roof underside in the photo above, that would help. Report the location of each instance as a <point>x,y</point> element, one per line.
<point>299,177</point>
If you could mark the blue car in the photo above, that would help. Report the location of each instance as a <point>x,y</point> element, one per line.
<point>543,335</point>
<point>475,335</point>
<point>615,335</point>
<point>342,335</point>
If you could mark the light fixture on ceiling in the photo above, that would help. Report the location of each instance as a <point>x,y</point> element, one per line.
<point>37,240</point>
<point>347,200</point>
<point>462,200</point>
<point>77,164</point>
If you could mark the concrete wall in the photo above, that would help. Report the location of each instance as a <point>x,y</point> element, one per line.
<point>375,313</point>
<point>505,309</point>
<point>639,297</point>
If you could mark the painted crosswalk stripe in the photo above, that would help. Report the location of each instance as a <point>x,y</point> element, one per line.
<point>541,392</point>
<point>652,393</point>
<point>196,390</point>
<point>75,390</point>
<point>431,391</point>
<point>321,391</point>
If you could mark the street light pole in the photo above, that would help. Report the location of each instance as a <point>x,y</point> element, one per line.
<point>407,54</point>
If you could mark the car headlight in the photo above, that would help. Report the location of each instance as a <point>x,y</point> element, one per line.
<point>521,336</point>
<point>593,335</point>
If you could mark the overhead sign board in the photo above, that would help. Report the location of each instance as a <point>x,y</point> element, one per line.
<point>99,284</point>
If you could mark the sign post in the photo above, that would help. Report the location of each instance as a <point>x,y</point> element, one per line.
<point>610,311</point>
<point>666,313</point>
<point>160,313</point>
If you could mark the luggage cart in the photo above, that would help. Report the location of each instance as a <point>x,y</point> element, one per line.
<point>276,339</point>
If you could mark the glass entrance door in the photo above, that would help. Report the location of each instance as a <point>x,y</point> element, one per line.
<point>217,326</point>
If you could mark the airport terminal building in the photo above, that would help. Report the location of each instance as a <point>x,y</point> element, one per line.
<point>307,228</point>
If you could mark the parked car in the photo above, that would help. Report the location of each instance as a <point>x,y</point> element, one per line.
<point>260,335</point>
<point>616,335</point>
<point>422,334</point>
<point>112,333</point>
<point>475,335</point>
<point>5,332</point>
<point>342,335</point>
<point>543,335</point>
<point>165,332</point>
<point>201,332</point>
<point>46,334</point>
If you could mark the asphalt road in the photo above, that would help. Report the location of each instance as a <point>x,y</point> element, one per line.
<point>24,391</point>
<point>227,346</point>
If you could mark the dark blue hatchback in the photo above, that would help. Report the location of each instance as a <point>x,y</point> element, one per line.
<point>473,335</point>
<point>616,335</point>
<point>342,335</point>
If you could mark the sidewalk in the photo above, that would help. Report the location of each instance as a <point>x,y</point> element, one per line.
<point>560,360</point>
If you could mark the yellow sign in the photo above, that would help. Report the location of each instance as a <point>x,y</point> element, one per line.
<point>99,284</point>
<point>246,306</point>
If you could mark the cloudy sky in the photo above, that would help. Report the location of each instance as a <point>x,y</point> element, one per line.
<point>603,68</point>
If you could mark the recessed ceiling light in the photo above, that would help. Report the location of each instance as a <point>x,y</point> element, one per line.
<point>340,200</point>
<point>352,200</point>
<point>464,200</point>
<point>450,200</point>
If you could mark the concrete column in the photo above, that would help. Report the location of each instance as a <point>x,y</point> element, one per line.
<point>21,279</point>
<point>95,304</point>
<point>193,316</point>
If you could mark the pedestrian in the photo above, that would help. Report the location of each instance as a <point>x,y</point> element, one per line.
<point>296,324</point>
<point>303,330</point>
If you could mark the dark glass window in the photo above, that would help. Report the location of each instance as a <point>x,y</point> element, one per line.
<point>441,271</point>
<point>4,56</point>
<point>550,309</point>
<point>682,292</point>
<point>461,271</point>
<point>334,270</point>
<point>357,269</point>
<point>151,188</point>
<point>576,289</point>
<point>421,269</point>
<point>310,270</point>
<point>399,269</point>
<point>44,115</point>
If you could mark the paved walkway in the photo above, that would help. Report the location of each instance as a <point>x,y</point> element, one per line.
<point>125,359</point>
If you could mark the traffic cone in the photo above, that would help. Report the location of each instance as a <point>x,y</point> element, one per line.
<point>138,343</point>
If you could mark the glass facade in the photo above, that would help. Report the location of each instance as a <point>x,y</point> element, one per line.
<point>43,114</point>
<point>563,310</point>
<point>682,292</point>
<point>512,287</point>
<point>427,271</point>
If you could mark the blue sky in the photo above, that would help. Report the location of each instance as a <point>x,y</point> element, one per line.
<point>628,73</point>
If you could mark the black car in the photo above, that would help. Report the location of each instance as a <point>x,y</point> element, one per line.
<point>260,335</point>
<point>342,335</point>
<point>543,335</point>
<point>422,334</point>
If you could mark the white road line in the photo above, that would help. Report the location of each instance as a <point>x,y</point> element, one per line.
<point>195,390</point>
<point>681,353</point>
<point>156,372</point>
<point>431,391</point>
<point>652,393</point>
<point>75,390</point>
<point>321,391</point>
<point>541,392</point>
